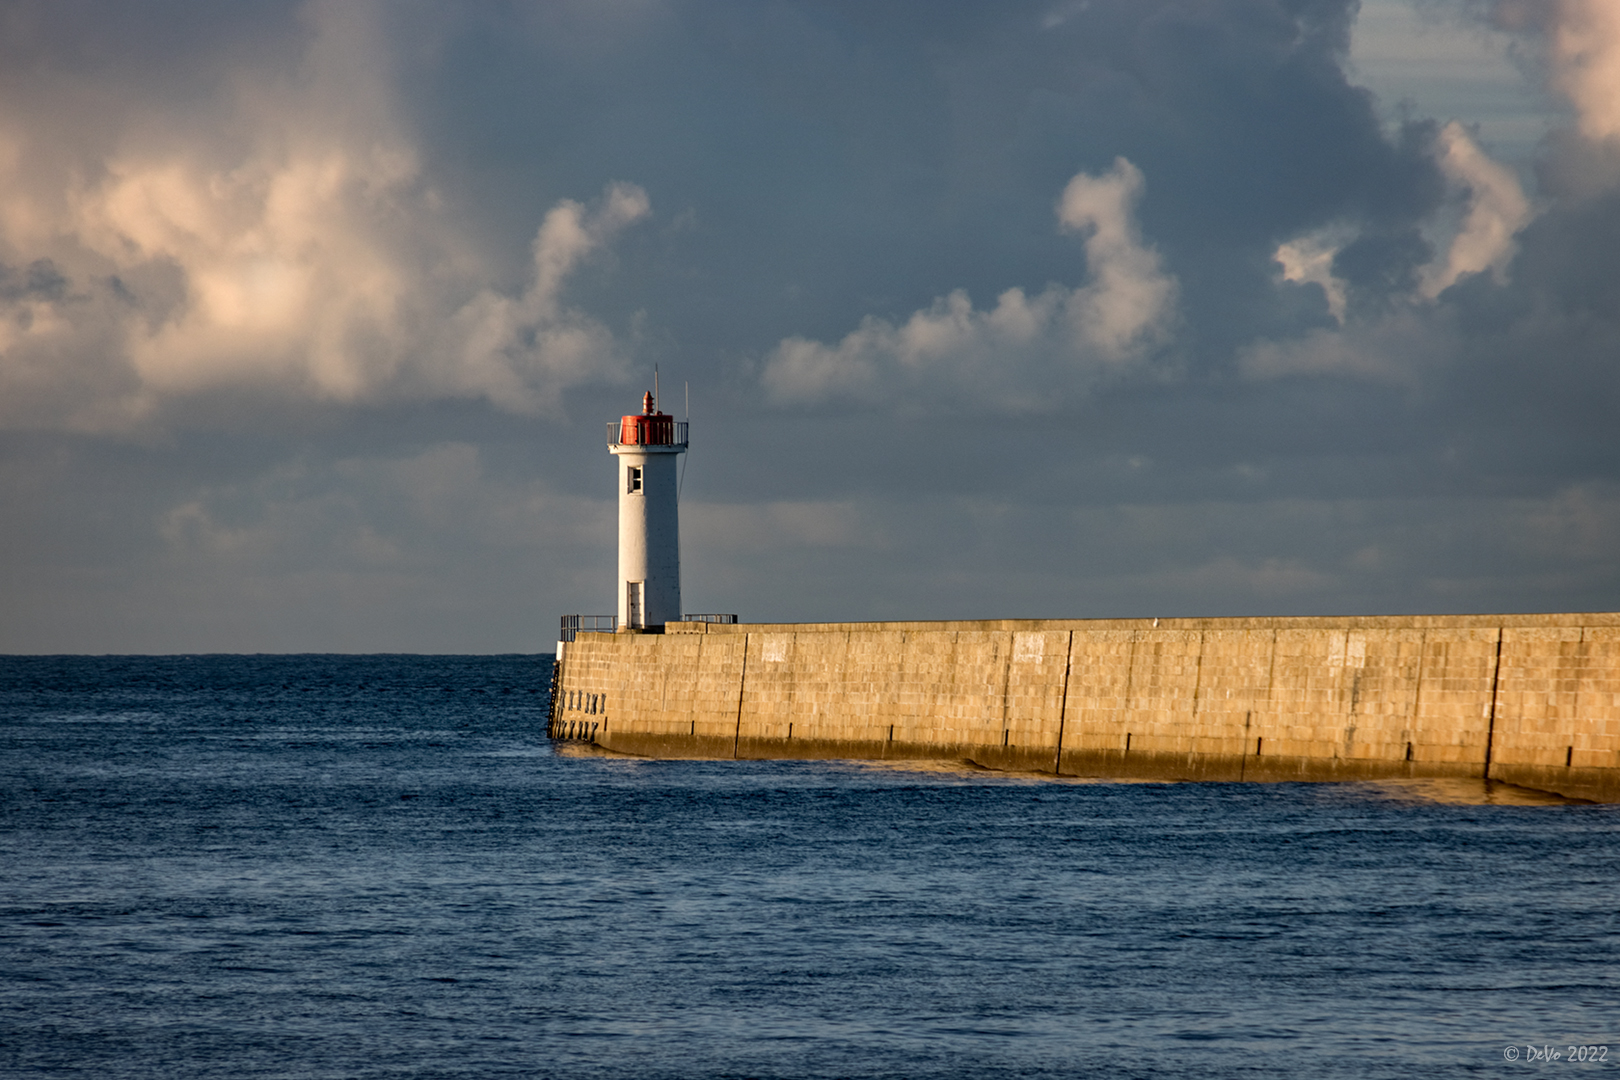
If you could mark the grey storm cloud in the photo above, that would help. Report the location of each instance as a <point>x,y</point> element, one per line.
<point>309,313</point>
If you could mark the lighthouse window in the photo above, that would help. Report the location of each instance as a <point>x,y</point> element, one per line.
<point>633,479</point>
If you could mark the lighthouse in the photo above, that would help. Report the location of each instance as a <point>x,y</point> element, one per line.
<point>645,447</point>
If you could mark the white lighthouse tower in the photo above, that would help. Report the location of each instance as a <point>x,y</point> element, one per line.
<point>649,524</point>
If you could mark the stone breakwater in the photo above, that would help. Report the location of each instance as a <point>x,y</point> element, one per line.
<point>1524,699</point>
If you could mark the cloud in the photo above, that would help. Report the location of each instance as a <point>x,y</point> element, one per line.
<point>373,514</point>
<point>1266,580</point>
<point>1308,260</point>
<point>521,352</point>
<point>1126,307</point>
<point>1396,348</point>
<point>1497,210</point>
<point>1584,41</point>
<point>1578,44</point>
<point>267,250</point>
<point>1027,348</point>
<point>780,525</point>
<point>415,552</point>
<point>281,278</point>
<point>284,240</point>
<point>1402,334</point>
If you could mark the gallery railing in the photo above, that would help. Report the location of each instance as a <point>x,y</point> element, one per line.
<point>635,431</point>
<point>587,624</point>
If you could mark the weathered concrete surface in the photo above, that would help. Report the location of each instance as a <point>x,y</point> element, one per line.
<point>1524,699</point>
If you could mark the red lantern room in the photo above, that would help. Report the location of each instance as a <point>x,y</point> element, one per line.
<point>651,428</point>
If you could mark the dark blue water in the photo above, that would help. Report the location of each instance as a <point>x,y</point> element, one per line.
<point>379,867</point>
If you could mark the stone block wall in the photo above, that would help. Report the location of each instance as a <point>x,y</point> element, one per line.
<point>1530,699</point>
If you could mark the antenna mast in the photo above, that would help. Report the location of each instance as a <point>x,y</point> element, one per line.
<point>680,484</point>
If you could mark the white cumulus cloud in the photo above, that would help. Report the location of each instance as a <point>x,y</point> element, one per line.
<point>1308,260</point>
<point>284,238</point>
<point>1395,344</point>
<point>1497,210</point>
<point>1024,350</point>
<point>1585,45</point>
<point>521,351</point>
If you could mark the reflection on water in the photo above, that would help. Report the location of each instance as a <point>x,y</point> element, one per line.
<point>1448,791</point>
<point>966,768</point>
<point>1456,791</point>
<point>575,749</point>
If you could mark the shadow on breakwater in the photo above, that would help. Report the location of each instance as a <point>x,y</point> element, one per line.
<point>1433,791</point>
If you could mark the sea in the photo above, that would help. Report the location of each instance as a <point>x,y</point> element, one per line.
<point>379,866</point>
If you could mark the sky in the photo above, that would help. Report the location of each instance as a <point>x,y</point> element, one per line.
<point>311,314</point>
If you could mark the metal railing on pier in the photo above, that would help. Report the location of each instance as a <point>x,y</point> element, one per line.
<point>727,620</point>
<point>587,624</point>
